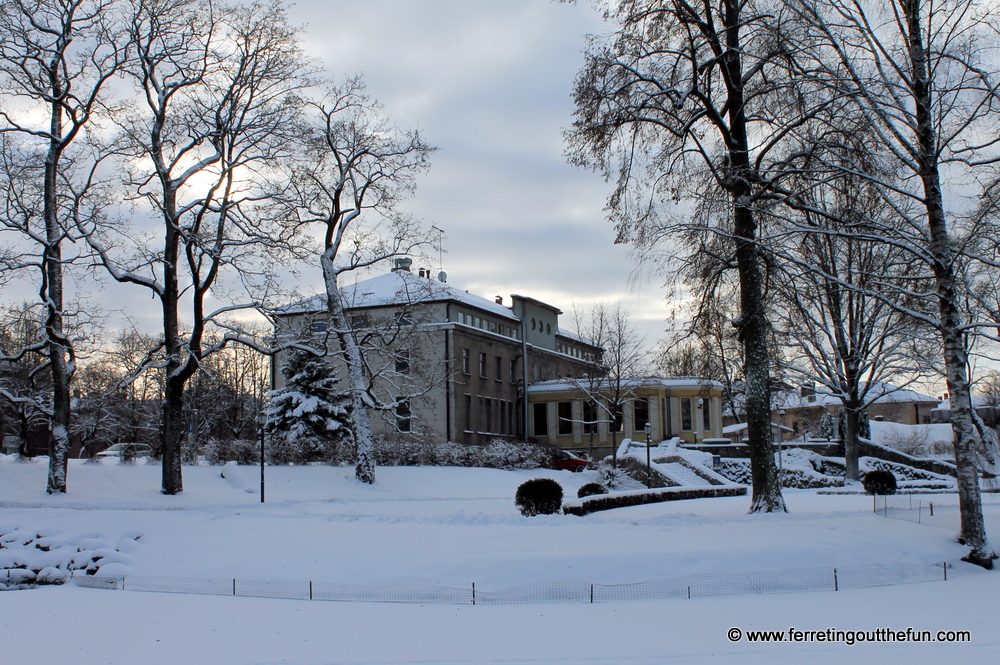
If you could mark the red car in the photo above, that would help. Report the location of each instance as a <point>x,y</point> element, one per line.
<point>570,462</point>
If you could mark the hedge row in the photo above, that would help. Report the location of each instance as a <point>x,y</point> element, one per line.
<point>609,501</point>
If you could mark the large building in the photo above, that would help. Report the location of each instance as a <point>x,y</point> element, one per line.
<point>454,364</point>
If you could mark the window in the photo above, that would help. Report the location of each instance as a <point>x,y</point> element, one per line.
<point>589,417</point>
<point>468,413</point>
<point>540,419</point>
<point>465,361</point>
<point>640,413</point>
<point>404,318</point>
<point>476,319</point>
<point>403,415</point>
<point>482,365</point>
<point>565,418</point>
<point>513,371</point>
<point>503,418</point>
<point>686,414</point>
<point>318,326</point>
<point>706,414</point>
<point>403,361</point>
<point>533,323</point>
<point>359,321</point>
<point>548,328</point>
<point>499,364</point>
<point>489,415</point>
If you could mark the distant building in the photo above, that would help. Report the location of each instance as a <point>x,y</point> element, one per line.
<point>463,360</point>
<point>804,408</point>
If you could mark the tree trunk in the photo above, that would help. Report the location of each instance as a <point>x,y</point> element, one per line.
<point>172,433</point>
<point>973,530</point>
<point>753,325</point>
<point>52,297</point>
<point>354,361</point>
<point>851,416</point>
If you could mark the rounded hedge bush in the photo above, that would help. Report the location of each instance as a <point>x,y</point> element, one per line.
<point>539,496</point>
<point>879,481</point>
<point>590,489</point>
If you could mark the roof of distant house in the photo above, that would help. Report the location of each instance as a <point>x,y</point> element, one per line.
<point>885,393</point>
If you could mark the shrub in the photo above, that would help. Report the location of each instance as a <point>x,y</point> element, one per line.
<point>503,454</point>
<point>879,481</point>
<point>590,489</point>
<point>612,477</point>
<point>539,496</point>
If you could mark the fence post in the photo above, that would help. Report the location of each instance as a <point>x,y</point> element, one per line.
<point>689,592</point>
<point>234,586</point>
<point>310,589</point>
<point>931,504</point>
<point>836,584</point>
<point>944,566</point>
<point>473,593</point>
<point>591,594</point>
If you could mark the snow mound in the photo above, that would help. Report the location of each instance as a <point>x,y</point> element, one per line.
<point>27,559</point>
<point>231,472</point>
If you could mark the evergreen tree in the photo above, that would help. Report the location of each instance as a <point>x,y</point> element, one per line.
<point>307,418</point>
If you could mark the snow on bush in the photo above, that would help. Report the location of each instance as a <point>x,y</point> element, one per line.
<point>503,454</point>
<point>539,496</point>
<point>241,451</point>
<point>879,481</point>
<point>591,489</point>
<point>738,471</point>
<point>29,557</point>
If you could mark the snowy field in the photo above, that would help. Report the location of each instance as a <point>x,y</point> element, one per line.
<point>456,526</point>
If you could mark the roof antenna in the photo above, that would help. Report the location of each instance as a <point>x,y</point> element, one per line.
<point>442,275</point>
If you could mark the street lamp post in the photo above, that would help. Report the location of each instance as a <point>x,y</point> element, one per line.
<point>649,467</point>
<point>262,420</point>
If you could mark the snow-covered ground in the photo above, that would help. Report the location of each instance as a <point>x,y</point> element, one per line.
<point>456,526</point>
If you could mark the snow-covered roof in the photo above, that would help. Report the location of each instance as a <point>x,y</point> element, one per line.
<point>886,392</point>
<point>399,287</point>
<point>559,385</point>
<point>978,401</point>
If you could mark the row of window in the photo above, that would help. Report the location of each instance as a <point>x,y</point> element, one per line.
<point>593,415</point>
<point>575,352</point>
<point>484,366</point>
<point>491,415</point>
<point>486,324</point>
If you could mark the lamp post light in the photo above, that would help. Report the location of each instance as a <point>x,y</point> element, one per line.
<point>262,420</point>
<point>649,468</point>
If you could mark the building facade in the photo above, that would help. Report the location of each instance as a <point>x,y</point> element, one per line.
<point>453,364</point>
<point>579,414</point>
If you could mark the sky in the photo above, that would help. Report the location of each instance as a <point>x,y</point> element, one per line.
<point>489,84</point>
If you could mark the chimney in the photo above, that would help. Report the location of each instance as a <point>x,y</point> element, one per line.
<point>498,300</point>
<point>421,272</point>
<point>403,264</point>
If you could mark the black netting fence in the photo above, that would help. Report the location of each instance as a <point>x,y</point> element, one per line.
<point>855,576</point>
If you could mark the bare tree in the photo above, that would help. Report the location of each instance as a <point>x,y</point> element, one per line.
<point>355,169</point>
<point>688,103</point>
<point>610,383</point>
<point>920,75</point>
<point>56,58</point>
<point>840,296</point>
<point>218,88</point>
